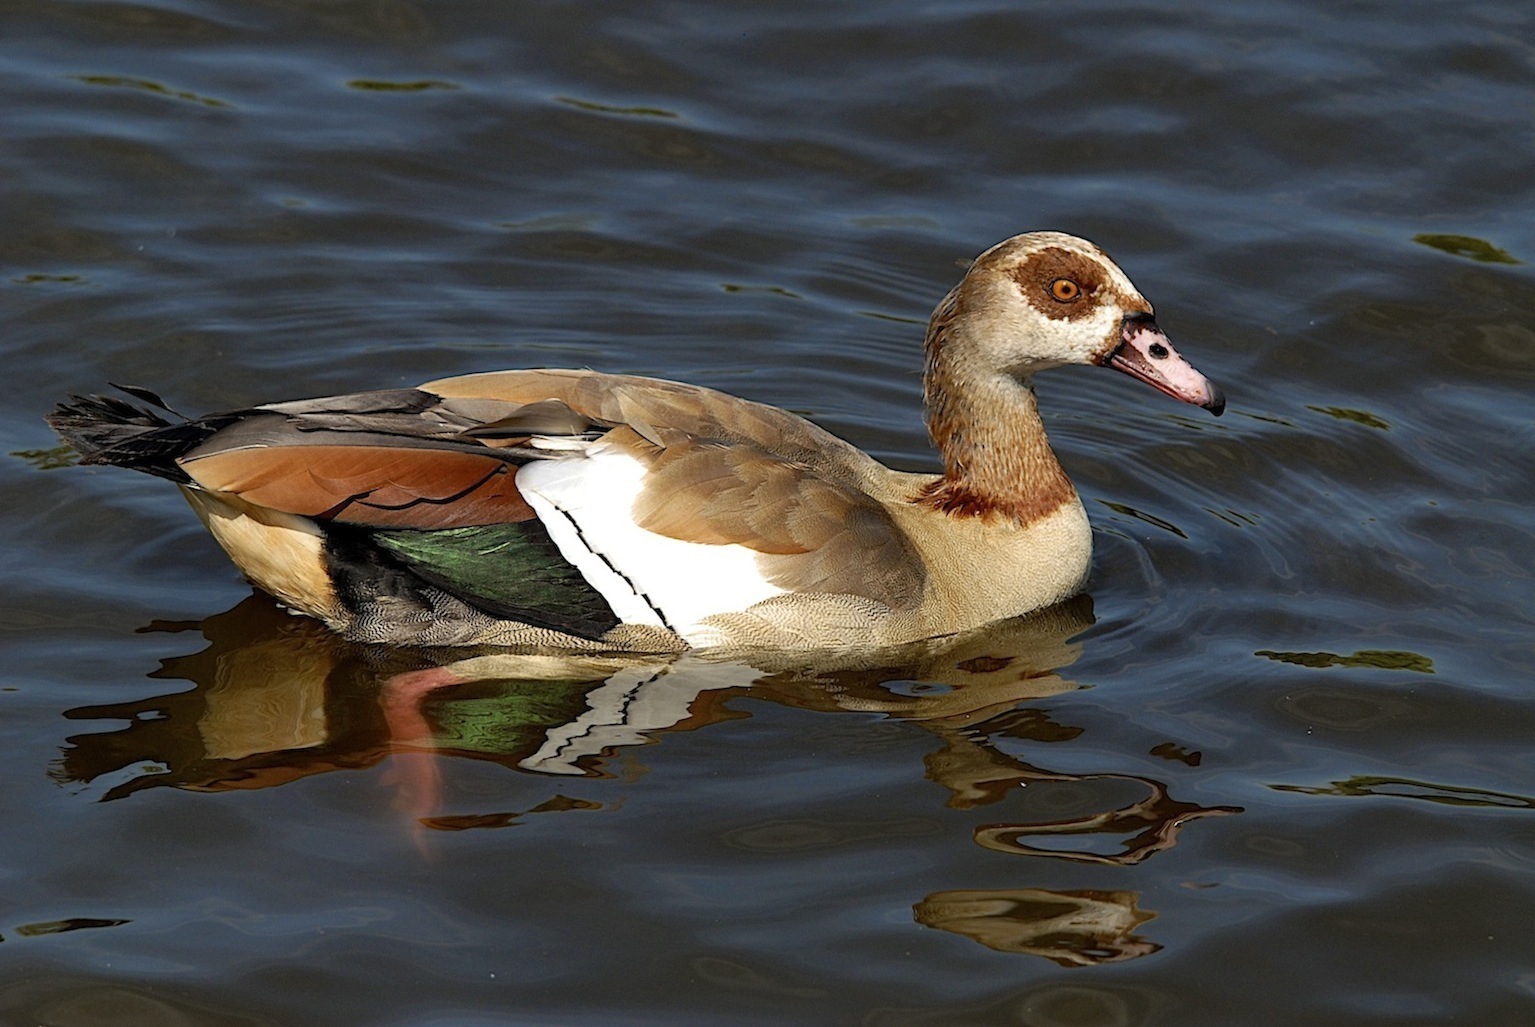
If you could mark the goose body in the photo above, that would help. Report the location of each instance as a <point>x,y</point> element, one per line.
<point>583,510</point>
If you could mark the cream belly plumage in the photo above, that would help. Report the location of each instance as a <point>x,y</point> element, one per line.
<point>582,510</point>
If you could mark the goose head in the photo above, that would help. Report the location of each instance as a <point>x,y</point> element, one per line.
<point>1044,299</point>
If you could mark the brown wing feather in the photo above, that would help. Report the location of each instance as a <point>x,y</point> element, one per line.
<point>726,495</point>
<point>726,471</point>
<point>665,413</point>
<point>815,535</point>
<point>371,484</point>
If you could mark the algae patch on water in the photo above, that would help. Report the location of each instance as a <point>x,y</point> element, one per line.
<point>1468,246</point>
<point>1380,659</point>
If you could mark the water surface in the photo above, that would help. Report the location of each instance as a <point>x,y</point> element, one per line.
<point>1275,769</point>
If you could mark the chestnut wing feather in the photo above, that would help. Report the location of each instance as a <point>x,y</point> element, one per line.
<point>396,458</point>
<point>374,485</point>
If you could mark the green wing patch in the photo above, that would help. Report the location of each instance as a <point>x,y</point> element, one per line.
<point>513,571</point>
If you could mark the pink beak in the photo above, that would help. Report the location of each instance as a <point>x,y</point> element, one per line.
<point>1145,353</point>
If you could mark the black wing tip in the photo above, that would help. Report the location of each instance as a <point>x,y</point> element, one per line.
<point>106,429</point>
<point>144,395</point>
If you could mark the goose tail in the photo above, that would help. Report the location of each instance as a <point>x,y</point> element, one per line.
<point>139,436</point>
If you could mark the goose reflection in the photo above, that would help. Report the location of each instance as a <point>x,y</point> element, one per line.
<point>277,698</point>
<point>1069,928</point>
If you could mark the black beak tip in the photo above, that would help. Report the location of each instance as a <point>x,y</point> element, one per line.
<point>1217,404</point>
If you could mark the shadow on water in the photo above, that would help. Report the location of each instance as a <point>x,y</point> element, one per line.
<point>277,698</point>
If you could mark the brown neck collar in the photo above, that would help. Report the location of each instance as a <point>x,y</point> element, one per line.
<point>997,460</point>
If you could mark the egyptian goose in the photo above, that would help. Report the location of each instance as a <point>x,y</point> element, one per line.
<point>605,512</point>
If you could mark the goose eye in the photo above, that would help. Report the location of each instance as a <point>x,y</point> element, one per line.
<point>1065,290</point>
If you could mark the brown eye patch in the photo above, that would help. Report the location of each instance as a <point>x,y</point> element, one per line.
<point>1057,282</point>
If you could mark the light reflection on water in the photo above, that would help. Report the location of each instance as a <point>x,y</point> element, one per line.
<point>1315,610</point>
<point>277,698</point>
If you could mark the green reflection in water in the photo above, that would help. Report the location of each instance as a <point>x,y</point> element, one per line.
<point>608,108</point>
<point>122,82</point>
<point>1357,416</point>
<point>380,86</point>
<point>48,459</point>
<point>1380,659</point>
<point>776,290</point>
<point>504,717</point>
<point>1467,246</point>
<point>41,279</point>
<point>1406,788</point>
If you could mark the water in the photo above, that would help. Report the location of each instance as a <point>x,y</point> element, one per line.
<point>1275,770</point>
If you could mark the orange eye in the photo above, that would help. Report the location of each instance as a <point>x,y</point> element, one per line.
<point>1065,290</point>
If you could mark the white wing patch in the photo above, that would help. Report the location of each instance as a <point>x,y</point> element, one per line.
<point>632,702</point>
<point>586,501</point>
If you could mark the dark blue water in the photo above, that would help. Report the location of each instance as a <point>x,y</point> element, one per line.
<point>1276,769</point>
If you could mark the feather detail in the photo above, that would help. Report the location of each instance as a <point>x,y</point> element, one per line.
<point>512,571</point>
<point>586,503</point>
<point>545,417</point>
<point>372,485</point>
